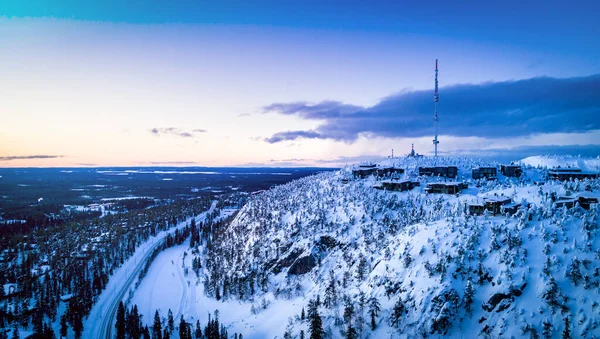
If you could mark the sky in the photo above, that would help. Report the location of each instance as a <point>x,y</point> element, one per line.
<point>293,83</point>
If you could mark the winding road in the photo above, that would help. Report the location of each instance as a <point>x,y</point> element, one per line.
<point>107,315</point>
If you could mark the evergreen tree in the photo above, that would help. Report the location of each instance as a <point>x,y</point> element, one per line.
<point>361,267</point>
<point>351,332</point>
<point>316,323</point>
<point>170,322</point>
<point>551,294</point>
<point>330,293</point>
<point>374,309</point>
<point>48,332</point>
<point>198,330</point>
<point>156,327</point>
<point>397,313</point>
<point>63,326</point>
<point>302,314</point>
<point>120,325</point>
<point>15,334</point>
<point>348,312</point>
<point>547,329</point>
<point>183,329</point>
<point>567,331</point>
<point>468,297</point>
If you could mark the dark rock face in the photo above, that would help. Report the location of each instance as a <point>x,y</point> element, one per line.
<point>500,297</point>
<point>303,265</point>
<point>326,242</point>
<point>287,261</point>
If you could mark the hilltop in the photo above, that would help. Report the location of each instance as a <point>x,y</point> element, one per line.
<point>433,269</point>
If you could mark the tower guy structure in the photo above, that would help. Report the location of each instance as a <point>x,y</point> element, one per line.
<point>436,98</point>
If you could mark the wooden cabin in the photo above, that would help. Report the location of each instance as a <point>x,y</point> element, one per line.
<point>399,186</point>
<point>511,170</point>
<point>364,171</point>
<point>445,187</point>
<point>585,202</point>
<point>381,172</point>
<point>439,171</point>
<point>571,173</point>
<point>485,172</point>
<point>495,205</point>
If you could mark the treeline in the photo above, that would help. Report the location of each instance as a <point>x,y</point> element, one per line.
<point>75,260</point>
<point>129,325</point>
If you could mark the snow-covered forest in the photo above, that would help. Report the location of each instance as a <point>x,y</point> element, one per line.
<point>325,256</point>
<point>372,263</point>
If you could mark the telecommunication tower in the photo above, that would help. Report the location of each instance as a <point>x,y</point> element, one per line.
<point>436,98</point>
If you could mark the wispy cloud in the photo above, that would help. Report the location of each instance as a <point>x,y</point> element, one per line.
<point>493,109</point>
<point>29,157</point>
<point>176,132</point>
<point>292,135</point>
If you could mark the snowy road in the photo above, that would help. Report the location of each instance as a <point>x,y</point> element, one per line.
<point>100,322</point>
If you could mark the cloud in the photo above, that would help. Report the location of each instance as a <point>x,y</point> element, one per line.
<point>175,131</point>
<point>491,110</point>
<point>29,157</point>
<point>292,135</point>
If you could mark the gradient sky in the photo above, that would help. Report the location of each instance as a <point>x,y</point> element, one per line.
<point>280,83</point>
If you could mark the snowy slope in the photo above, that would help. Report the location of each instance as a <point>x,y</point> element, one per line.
<point>410,251</point>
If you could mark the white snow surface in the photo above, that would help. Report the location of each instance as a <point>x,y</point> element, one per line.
<point>562,161</point>
<point>93,323</point>
<point>418,248</point>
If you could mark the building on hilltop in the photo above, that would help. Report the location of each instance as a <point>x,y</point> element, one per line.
<point>439,171</point>
<point>400,186</point>
<point>413,154</point>
<point>514,171</point>
<point>489,173</point>
<point>563,174</point>
<point>445,187</point>
<point>494,205</point>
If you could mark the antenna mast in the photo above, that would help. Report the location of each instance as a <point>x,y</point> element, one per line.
<point>436,98</point>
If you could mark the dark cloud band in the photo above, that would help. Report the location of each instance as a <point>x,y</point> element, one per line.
<point>493,109</point>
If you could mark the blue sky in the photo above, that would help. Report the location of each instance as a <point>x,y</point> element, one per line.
<point>266,82</point>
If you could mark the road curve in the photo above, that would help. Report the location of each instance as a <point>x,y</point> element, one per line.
<point>108,318</point>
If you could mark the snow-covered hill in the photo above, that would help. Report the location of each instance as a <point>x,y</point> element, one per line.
<point>562,161</point>
<point>434,269</point>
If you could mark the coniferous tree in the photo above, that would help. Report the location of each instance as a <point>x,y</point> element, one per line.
<point>316,323</point>
<point>351,332</point>
<point>170,322</point>
<point>566,334</point>
<point>120,325</point>
<point>198,330</point>
<point>468,296</point>
<point>156,327</point>
<point>374,308</point>
<point>330,293</point>
<point>397,313</point>
<point>183,329</point>
<point>15,334</point>
<point>547,329</point>
<point>63,326</point>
